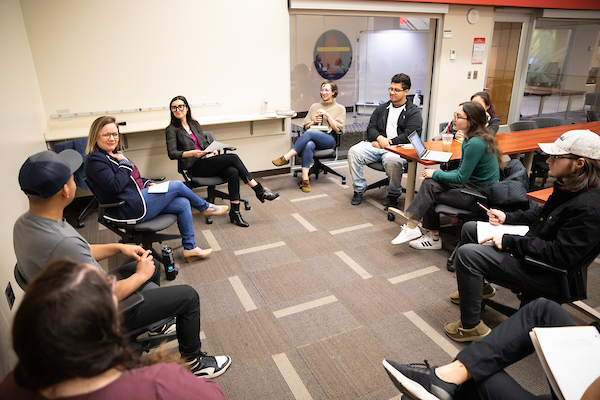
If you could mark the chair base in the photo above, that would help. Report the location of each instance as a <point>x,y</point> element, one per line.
<point>318,167</point>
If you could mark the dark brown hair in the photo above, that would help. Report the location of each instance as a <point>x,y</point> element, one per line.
<point>334,87</point>
<point>488,102</point>
<point>188,115</point>
<point>587,179</point>
<point>476,116</point>
<point>402,79</point>
<point>97,125</point>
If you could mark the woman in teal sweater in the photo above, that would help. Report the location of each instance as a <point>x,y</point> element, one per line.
<point>479,166</point>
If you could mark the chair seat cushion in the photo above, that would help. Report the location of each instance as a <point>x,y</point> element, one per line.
<point>453,211</point>
<point>377,166</point>
<point>156,224</point>
<point>207,181</point>
<point>325,153</point>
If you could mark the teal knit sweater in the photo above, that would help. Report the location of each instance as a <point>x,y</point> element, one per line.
<point>476,165</point>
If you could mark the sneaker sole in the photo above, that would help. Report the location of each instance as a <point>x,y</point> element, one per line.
<point>408,387</point>
<point>484,297</point>
<point>467,339</point>
<point>407,239</point>
<point>218,373</point>
<point>418,247</point>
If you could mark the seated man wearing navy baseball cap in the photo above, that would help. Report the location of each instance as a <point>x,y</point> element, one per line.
<point>562,233</point>
<point>41,235</point>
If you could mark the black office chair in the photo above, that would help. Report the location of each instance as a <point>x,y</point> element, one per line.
<point>508,194</point>
<point>523,126</point>
<point>210,182</point>
<point>145,233</point>
<point>138,343</point>
<point>572,285</point>
<point>319,155</point>
<point>591,116</point>
<point>546,122</point>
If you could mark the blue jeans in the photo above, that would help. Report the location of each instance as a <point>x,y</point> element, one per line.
<point>309,141</point>
<point>364,153</point>
<point>177,200</point>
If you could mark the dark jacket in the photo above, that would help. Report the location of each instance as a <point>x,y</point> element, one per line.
<point>493,124</point>
<point>563,233</point>
<point>178,141</point>
<point>509,193</point>
<point>410,120</point>
<point>111,182</point>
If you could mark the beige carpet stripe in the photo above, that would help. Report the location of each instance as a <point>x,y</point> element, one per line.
<point>376,204</point>
<point>291,377</point>
<point>414,274</point>
<point>202,335</point>
<point>102,227</point>
<point>597,260</point>
<point>242,293</point>
<point>440,340</point>
<point>303,198</point>
<point>305,306</point>
<point>212,241</point>
<point>353,264</point>
<point>304,222</point>
<point>259,248</point>
<point>338,181</point>
<point>351,228</point>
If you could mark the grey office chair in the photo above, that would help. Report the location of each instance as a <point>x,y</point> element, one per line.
<point>210,182</point>
<point>591,116</point>
<point>546,122</point>
<point>318,166</point>
<point>523,126</point>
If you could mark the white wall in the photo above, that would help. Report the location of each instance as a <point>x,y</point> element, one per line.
<point>21,123</point>
<point>451,87</point>
<point>580,56</point>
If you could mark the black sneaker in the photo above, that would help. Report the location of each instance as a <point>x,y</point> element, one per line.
<point>419,383</point>
<point>206,366</point>
<point>356,199</point>
<point>391,201</point>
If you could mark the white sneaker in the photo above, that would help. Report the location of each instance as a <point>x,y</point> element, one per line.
<point>407,234</point>
<point>426,242</point>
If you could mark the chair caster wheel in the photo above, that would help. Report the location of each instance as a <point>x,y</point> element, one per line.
<point>295,174</point>
<point>80,224</point>
<point>209,220</point>
<point>247,206</point>
<point>450,266</point>
<point>391,217</point>
<point>343,181</point>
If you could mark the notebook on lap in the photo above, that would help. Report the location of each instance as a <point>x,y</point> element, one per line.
<point>424,154</point>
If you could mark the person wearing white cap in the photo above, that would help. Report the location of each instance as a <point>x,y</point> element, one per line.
<point>562,233</point>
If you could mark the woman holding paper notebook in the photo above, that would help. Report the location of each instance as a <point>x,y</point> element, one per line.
<point>479,167</point>
<point>323,122</point>
<point>186,143</point>
<point>114,178</point>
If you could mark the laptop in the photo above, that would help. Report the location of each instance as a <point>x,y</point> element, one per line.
<point>424,154</point>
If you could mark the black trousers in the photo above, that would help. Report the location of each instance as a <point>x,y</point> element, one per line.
<point>474,262</point>
<point>508,343</point>
<point>433,192</point>
<point>180,301</point>
<point>227,166</point>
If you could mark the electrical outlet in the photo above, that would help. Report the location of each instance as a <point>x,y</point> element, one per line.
<point>469,75</point>
<point>474,74</point>
<point>10,296</point>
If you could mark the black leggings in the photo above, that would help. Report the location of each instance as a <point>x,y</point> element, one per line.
<point>227,166</point>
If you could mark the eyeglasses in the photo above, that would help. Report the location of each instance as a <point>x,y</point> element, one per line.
<point>115,135</point>
<point>180,107</point>
<point>457,117</point>
<point>554,158</point>
<point>395,90</point>
<point>112,282</point>
<point>325,90</point>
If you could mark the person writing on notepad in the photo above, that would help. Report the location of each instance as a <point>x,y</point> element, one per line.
<point>562,233</point>
<point>114,178</point>
<point>479,167</point>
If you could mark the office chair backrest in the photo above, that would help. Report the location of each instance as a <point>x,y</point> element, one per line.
<point>21,281</point>
<point>545,122</point>
<point>523,126</point>
<point>591,115</point>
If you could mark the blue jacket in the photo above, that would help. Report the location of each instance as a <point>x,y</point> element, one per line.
<point>111,182</point>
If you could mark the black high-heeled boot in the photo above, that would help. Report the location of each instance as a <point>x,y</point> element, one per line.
<point>264,194</point>
<point>235,216</point>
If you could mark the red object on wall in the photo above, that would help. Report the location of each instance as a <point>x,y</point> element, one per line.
<point>558,4</point>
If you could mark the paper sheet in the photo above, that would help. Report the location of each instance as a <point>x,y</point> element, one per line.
<point>215,146</point>
<point>162,187</point>
<point>485,230</point>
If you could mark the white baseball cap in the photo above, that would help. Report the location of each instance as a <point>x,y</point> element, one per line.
<point>583,143</point>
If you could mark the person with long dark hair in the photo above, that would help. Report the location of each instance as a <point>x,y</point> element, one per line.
<point>493,121</point>
<point>186,144</point>
<point>114,178</point>
<point>68,338</point>
<point>479,166</point>
<point>328,113</point>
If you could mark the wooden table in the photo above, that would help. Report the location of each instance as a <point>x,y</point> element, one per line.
<point>509,142</point>
<point>544,92</point>
<point>541,196</point>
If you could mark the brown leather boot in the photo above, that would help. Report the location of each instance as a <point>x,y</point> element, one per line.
<point>305,186</point>
<point>280,161</point>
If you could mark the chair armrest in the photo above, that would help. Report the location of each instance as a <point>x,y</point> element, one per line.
<point>532,261</point>
<point>474,194</point>
<point>130,302</point>
<point>112,205</point>
<point>158,179</point>
<point>226,149</point>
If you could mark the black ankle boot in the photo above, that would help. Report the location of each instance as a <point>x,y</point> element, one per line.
<point>235,216</point>
<point>264,194</point>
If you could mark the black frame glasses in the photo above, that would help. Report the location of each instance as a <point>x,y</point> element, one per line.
<point>554,158</point>
<point>180,107</point>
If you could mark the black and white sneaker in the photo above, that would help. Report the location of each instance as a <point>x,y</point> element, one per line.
<point>206,366</point>
<point>419,383</point>
<point>166,329</point>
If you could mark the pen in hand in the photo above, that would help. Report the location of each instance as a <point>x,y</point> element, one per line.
<point>484,207</point>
